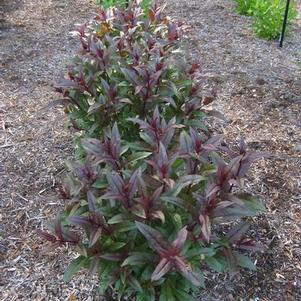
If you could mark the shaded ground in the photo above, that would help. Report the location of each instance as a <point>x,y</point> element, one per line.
<point>259,90</point>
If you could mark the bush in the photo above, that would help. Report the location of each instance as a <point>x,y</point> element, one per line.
<point>245,7</point>
<point>156,197</point>
<point>145,4</point>
<point>268,15</point>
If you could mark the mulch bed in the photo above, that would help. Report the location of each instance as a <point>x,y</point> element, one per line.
<point>259,91</point>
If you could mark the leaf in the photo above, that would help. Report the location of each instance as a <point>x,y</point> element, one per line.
<point>237,231</point>
<point>80,220</point>
<point>186,271</point>
<point>186,143</point>
<point>252,203</point>
<point>104,283</point>
<point>116,183</point>
<point>185,181</point>
<point>45,235</point>
<point>245,262</point>
<point>135,284</point>
<point>179,242</point>
<point>91,202</point>
<point>92,146</point>
<point>145,296</point>
<point>206,226</point>
<point>119,218</point>
<point>191,179</point>
<point>130,75</point>
<point>217,115</point>
<point>132,185</point>
<point>117,245</point>
<point>154,238</point>
<point>138,211</point>
<point>94,236</point>
<point>67,84</point>
<point>139,156</point>
<point>100,184</point>
<point>166,292</point>
<point>125,227</point>
<point>74,267</point>
<point>200,252</point>
<point>115,134</point>
<point>137,259</point>
<point>183,296</point>
<point>111,256</point>
<point>175,201</point>
<point>158,214</point>
<point>94,265</point>
<point>216,263</point>
<point>161,269</point>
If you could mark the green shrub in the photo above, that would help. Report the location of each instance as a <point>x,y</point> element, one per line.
<point>145,4</point>
<point>269,15</point>
<point>157,196</point>
<point>245,7</point>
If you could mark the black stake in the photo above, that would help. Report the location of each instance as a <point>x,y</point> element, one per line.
<point>284,23</point>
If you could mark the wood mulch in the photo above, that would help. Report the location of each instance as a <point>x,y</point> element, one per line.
<point>259,91</point>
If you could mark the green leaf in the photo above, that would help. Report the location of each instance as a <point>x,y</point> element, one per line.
<point>245,262</point>
<point>119,218</point>
<point>208,169</point>
<point>125,227</point>
<point>117,245</point>
<point>145,296</point>
<point>137,259</point>
<point>183,296</point>
<point>74,267</point>
<point>167,292</point>
<point>252,203</point>
<point>135,284</point>
<point>100,183</point>
<point>104,283</point>
<point>146,138</point>
<point>139,156</point>
<point>200,252</point>
<point>191,179</point>
<point>217,264</point>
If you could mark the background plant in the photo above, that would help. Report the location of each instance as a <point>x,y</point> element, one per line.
<point>156,196</point>
<point>245,7</point>
<point>145,4</point>
<point>268,15</point>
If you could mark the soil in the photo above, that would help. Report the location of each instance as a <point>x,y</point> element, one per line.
<point>259,92</point>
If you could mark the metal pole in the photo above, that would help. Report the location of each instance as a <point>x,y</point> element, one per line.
<point>284,23</point>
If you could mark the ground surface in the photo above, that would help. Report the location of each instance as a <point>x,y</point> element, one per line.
<point>259,91</point>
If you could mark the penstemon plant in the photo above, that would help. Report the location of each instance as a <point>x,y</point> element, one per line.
<point>155,196</point>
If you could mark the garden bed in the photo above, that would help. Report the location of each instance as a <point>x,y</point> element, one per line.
<point>259,91</point>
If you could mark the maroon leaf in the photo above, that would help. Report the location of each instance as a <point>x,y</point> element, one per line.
<point>91,202</point>
<point>186,271</point>
<point>83,221</point>
<point>154,238</point>
<point>45,235</point>
<point>162,268</point>
<point>94,236</point>
<point>237,231</point>
<point>206,226</point>
<point>112,256</point>
<point>179,242</point>
<point>132,185</point>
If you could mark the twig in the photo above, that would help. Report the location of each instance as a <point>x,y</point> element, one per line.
<point>7,145</point>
